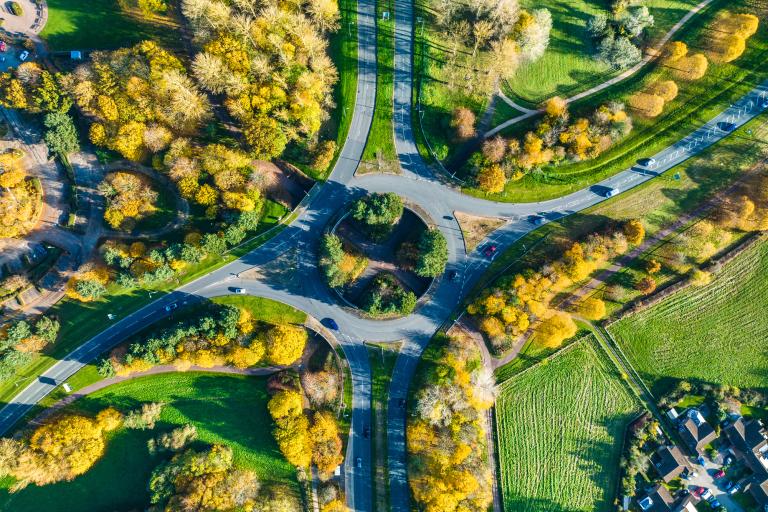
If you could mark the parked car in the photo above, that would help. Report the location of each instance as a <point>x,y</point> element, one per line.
<point>367,432</point>
<point>707,494</point>
<point>359,462</point>
<point>727,485</point>
<point>728,460</point>
<point>699,491</point>
<point>453,276</point>
<point>489,251</point>
<point>23,56</point>
<point>701,460</point>
<point>3,46</point>
<point>720,474</point>
<point>714,504</point>
<point>537,220</point>
<point>733,490</point>
<point>240,291</point>
<point>170,307</point>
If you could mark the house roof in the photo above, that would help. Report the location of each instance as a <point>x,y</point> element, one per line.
<point>749,443</point>
<point>660,500</point>
<point>695,430</point>
<point>746,435</point>
<point>669,462</point>
<point>759,491</point>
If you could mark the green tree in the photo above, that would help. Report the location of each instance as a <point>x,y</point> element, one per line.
<point>378,212</point>
<point>90,288</point>
<point>47,328</point>
<point>60,134</point>
<point>331,255</point>
<point>433,254</point>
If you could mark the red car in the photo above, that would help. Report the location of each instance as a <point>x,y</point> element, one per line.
<point>489,250</point>
<point>699,491</point>
<point>720,474</point>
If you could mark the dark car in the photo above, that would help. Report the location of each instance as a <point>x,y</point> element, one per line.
<point>447,217</point>
<point>401,403</point>
<point>489,251</point>
<point>330,323</point>
<point>453,276</point>
<point>359,462</point>
<point>647,162</point>
<point>728,460</point>
<point>726,127</point>
<point>170,307</point>
<point>714,504</point>
<point>367,432</point>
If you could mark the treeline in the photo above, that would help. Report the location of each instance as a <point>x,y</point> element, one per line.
<point>555,140</point>
<point>448,469</point>
<point>308,436</point>
<point>521,303</point>
<point>21,340</point>
<point>67,446</point>
<point>218,335</point>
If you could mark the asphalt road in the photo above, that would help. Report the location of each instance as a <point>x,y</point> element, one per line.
<point>307,291</point>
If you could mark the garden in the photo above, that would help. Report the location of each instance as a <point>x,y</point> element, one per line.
<point>381,256</point>
<point>560,426</point>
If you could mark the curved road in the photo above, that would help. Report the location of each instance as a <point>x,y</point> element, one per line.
<point>309,293</point>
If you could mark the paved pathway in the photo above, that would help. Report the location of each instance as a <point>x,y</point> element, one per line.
<point>650,55</point>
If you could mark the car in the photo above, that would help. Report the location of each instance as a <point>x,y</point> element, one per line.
<point>367,432</point>
<point>537,220</point>
<point>647,162</point>
<point>23,56</point>
<point>359,462</point>
<point>728,460</point>
<point>453,276</point>
<point>170,307</point>
<point>401,403</point>
<point>726,127</point>
<point>240,291</point>
<point>706,494</point>
<point>733,490</point>
<point>611,191</point>
<point>727,485</point>
<point>447,217</point>
<point>714,504</point>
<point>765,103</point>
<point>701,460</point>
<point>720,474</point>
<point>490,250</point>
<point>699,491</point>
<point>3,46</point>
<point>330,323</point>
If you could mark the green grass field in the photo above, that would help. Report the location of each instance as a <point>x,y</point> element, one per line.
<point>568,66</point>
<point>227,409</point>
<point>712,334</point>
<point>697,103</point>
<point>264,310</point>
<point>560,430</point>
<point>380,146</point>
<point>102,25</point>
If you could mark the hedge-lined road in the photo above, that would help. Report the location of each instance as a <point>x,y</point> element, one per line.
<point>299,241</point>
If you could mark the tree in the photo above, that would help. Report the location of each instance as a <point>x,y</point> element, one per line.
<point>555,107</point>
<point>378,212</point>
<point>555,329</point>
<point>634,231</point>
<point>433,254</point>
<point>533,38</point>
<point>652,266</point>
<point>494,149</point>
<point>60,134</point>
<point>463,122</point>
<point>331,256</point>
<point>692,67</point>
<point>90,289</point>
<point>619,53</point>
<point>698,277</point>
<point>675,51</point>
<point>285,344</point>
<point>491,179</point>
<point>47,328</point>
<point>591,308</point>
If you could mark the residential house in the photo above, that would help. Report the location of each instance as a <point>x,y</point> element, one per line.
<point>749,442</point>
<point>695,430</point>
<point>660,500</point>
<point>670,462</point>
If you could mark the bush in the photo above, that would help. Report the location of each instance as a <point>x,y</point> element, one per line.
<point>378,213</point>
<point>16,9</point>
<point>386,296</point>
<point>433,254</point>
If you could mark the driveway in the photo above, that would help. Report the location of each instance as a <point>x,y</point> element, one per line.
<point>706,478</point>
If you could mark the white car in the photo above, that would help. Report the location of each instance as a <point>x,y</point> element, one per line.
<point>240,291</point>
<point>706,494</point>
<point>23,56</point>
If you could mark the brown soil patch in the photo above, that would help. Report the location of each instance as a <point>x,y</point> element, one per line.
<point>475,228</point>
<point>282,184</point>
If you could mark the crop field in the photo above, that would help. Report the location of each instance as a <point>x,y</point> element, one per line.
<point>560,430</point>
<point>715,334</point>
<point>226,409</point>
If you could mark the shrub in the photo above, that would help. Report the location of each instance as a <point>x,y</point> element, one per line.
<point>378,212</point>
<point>433,254</point>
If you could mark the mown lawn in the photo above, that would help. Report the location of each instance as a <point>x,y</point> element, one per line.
<point>264,310</point>
<point>696,103</point>
<point>713,334</point>
<point>227,409</point>
<point>568,66</point>
<point>102,25</point>
<point>560,430</point>
<point>381,143</point>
